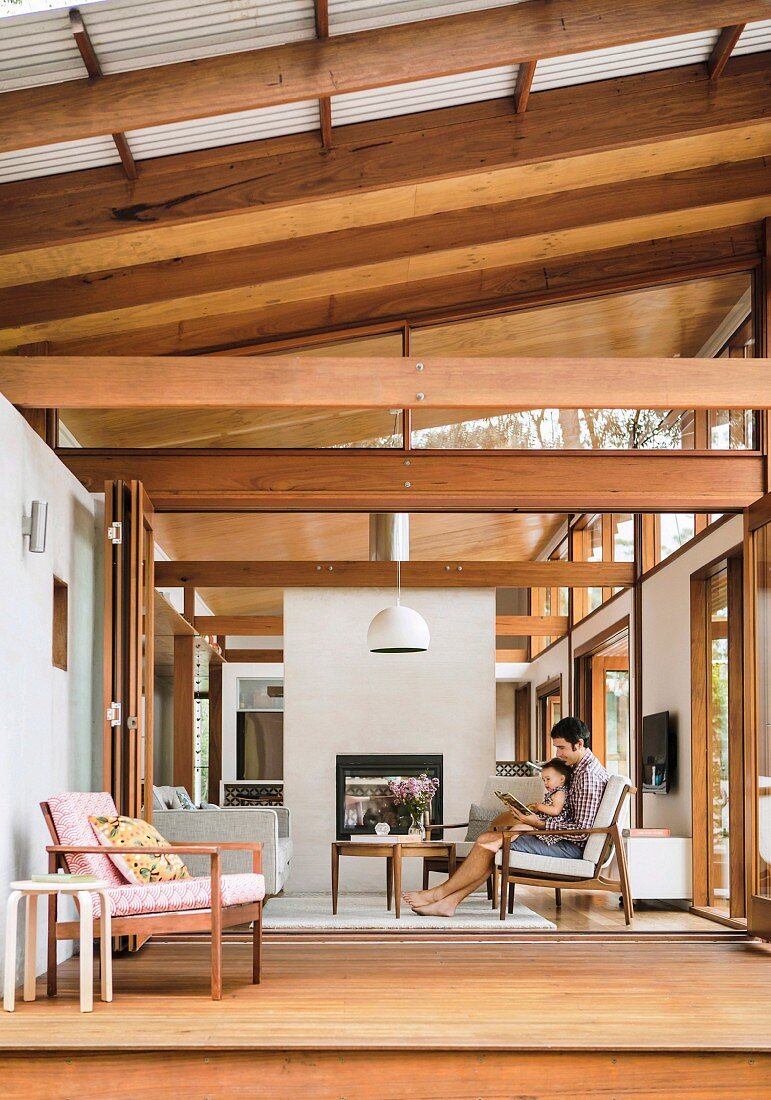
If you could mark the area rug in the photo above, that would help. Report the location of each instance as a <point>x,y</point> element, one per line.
<point>365,912</point>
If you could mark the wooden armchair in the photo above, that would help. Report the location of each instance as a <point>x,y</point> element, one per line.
<point>577,874</point>
<point>211,903</point>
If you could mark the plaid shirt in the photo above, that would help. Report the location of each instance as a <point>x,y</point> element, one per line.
<point>587,786</point>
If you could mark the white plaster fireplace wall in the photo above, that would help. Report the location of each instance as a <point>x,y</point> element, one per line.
<point>340,698</point>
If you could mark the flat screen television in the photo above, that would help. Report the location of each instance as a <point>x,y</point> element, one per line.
<point>658,753</point>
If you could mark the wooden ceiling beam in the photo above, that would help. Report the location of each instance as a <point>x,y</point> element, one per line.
<point>468,294</point>
<point>723,49</point>
<point>286,381</point>
<point>258,626</point>
<point>531,626</point>
<point>421,481</point>
<point>253,656</point>
<point>441,244</point>
<point>94,70</point>
<point>298,71</point>
<point>382,574</point>
<point>382,171</point>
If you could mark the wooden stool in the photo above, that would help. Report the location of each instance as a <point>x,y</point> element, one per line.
<point>82,893</point>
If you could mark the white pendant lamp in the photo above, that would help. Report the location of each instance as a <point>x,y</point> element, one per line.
<point>398,629</point>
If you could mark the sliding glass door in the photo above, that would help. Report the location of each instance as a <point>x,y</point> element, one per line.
<point>758,559</point>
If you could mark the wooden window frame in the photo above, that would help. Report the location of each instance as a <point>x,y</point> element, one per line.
<point>549,689</point>
<point>700,739</point>
<point>584,700</point>
<point>60,624</point>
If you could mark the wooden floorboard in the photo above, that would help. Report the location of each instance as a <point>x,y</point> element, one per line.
<point>389,1075</point>
<point>618,995</point>
<point>535,1018</point>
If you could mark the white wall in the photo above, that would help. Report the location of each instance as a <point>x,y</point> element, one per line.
<point>163,730</point>
<point>340,698</point>
<point>666,665</point>
<point>49,718</point>
<point>554,662</point>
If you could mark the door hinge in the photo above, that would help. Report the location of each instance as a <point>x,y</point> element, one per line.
<point>115,533</point>
<point>113,714</point>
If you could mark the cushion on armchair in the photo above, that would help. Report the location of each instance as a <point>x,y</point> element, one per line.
<point>479,820</point>
<point>116,831</point>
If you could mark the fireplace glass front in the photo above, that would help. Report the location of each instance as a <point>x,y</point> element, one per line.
<point>363,795</point>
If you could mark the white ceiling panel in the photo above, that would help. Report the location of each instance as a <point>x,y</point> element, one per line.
<point>641,57</point>
<point>755,37</point>
<point>207,133</point>
<point>49,160</point>
<point>346,16</point>
<point>138,34</point>
<point>424,95</point>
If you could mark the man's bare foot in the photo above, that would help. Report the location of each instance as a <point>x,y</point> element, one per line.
<point>443,908</point>
<point>418,898</point>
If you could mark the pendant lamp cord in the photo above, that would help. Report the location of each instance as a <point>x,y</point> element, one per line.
<point>398,582</point>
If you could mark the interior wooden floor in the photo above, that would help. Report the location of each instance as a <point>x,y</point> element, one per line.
<point>535,1017</point>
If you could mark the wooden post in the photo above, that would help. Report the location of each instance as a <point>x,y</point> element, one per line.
<point>43,421</point>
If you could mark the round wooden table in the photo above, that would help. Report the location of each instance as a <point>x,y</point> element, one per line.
<point>394,852</point>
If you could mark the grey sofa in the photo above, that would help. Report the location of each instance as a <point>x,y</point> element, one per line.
<point>268,825</point>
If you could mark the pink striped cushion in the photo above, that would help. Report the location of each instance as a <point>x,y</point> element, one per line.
<point>70,812</point>
<point>181,894</point>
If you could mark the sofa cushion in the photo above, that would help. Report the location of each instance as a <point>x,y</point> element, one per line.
<point>550,865</point>
<point>116,831</point>
<point>166,798</point>
<point>184,799</point>
<point>190,893</point>
<point>283,859</point>
<point>479,819</point>
<point>70,812</point>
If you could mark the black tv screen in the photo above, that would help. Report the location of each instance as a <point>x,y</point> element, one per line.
<point>657,754</point>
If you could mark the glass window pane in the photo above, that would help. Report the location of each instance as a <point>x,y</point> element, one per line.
<point>675,529</point>
<point>763,657</point>
<point>719,879</point>
<point>260,694</point>
<point>623,537</point>
<point>617,721</point>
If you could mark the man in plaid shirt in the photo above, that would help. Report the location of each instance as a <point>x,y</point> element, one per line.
<point>570,738</point>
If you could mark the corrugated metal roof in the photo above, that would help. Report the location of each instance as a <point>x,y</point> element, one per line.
<point>424,95</point>
<point>48,160</point>
<point>639,57</point>
<point>360,15</point>
<point>137,34</point>
<point>755,37</point>
<point>38,49</point>
<point>207,133</point>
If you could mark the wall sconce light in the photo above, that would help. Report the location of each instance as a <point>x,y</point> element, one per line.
<point>35,526</point>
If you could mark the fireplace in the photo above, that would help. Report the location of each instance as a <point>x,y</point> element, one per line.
<point>363,796</point>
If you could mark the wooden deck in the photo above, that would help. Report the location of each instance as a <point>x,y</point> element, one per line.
<point>425,1019</point>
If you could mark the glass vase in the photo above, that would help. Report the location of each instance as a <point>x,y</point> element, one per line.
<point>417,829</point>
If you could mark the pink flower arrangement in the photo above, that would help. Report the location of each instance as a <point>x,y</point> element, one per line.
<point>415,793</point>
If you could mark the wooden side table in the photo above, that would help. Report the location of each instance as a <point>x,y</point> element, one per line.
<point>394,852</point>
<point>82,892</point>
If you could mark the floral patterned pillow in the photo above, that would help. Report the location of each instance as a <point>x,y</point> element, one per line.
<point>129,832</point>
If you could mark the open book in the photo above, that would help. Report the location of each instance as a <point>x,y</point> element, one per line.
<point>513,803</point>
